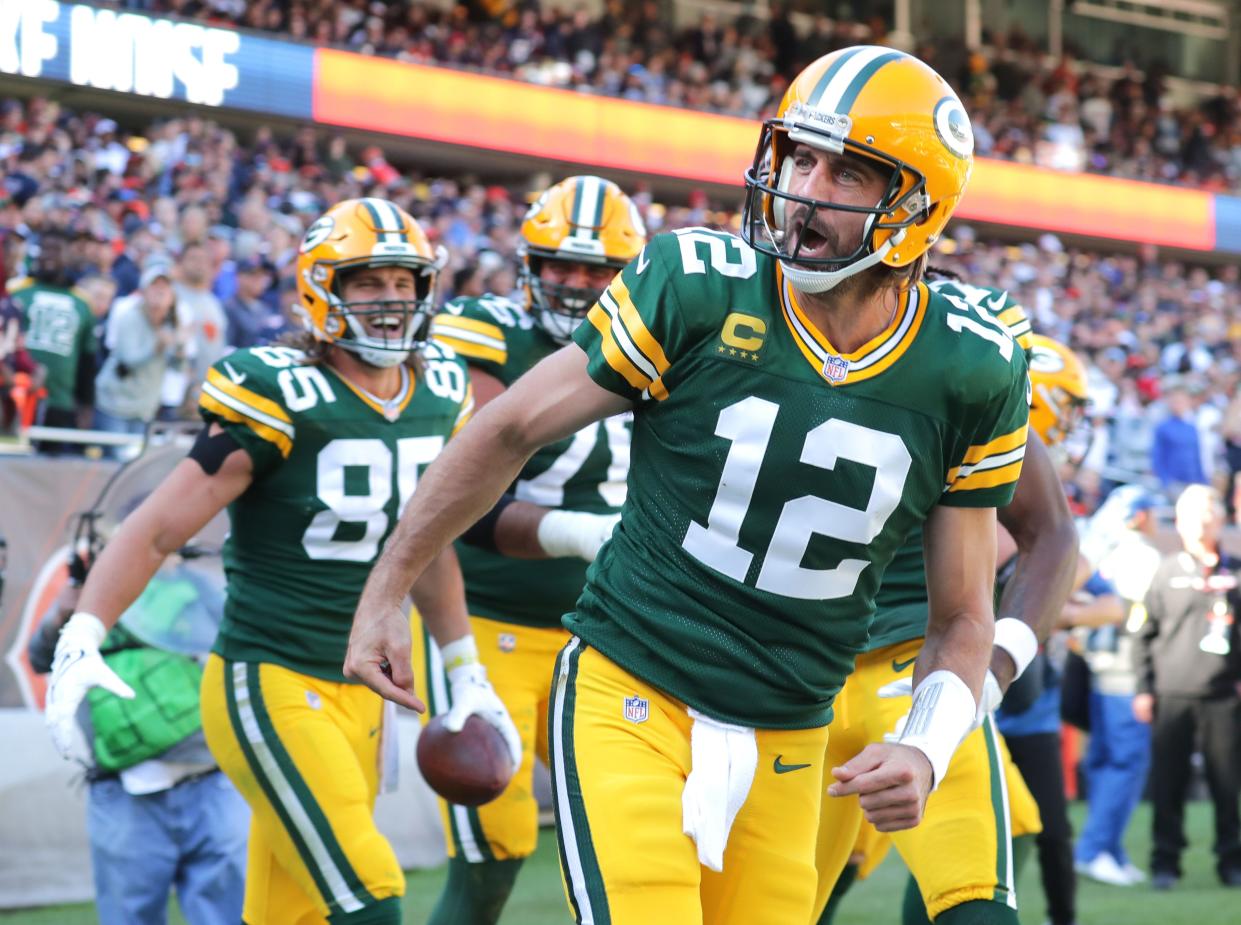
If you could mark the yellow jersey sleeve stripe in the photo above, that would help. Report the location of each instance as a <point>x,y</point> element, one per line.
<point>998,461</point>
<point>466,412</point>
<point>624,341</point>
<point>483,328</point>
<point>612,353</point>
<point>636,327</point>
<point>989,478</point>
<point>264,406</point>
<point>1002,444</point>
<point>469,350</point>
<point>282,441</point>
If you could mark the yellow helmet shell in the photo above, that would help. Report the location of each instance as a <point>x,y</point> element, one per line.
<point>1058,386</point>
<point>883,104</point>
<point>584,219</point>
<point>356,233</point>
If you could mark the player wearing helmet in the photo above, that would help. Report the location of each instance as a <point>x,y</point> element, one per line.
<point>314,451</point>
<point>983,800</point>
<point>575,238</point>
<point>789,432</point>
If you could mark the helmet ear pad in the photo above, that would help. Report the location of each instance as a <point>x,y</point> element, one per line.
<point>779,203</point>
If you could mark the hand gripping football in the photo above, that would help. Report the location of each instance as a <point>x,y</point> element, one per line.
<point>470,767</point>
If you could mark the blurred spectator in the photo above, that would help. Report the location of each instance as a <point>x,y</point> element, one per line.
<point>202,316</point>
<point>1176,454</point>
<point>143,336</point>
<point>60,337</point>
<point>20,376</point>
<point>1188,660</point>
<point>1117,543</point>
<point>251,319</point>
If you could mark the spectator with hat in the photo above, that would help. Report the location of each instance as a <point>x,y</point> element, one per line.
<point>251,318</point>
<point>143,337</point>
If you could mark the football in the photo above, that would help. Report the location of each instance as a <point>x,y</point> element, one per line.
<point>470,767</point>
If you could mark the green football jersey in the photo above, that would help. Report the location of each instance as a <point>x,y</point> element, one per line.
<point>901,605</point>
<point>585,472</point>
<point>772,479</point>
<point>333,469</point>
<point>60,330</point>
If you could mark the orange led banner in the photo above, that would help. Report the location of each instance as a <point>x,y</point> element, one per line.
<point>1087,204</point>
<point>490,112</point>
<point>455,107</point>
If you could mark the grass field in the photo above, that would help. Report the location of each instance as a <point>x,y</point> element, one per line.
<point>537,899</point>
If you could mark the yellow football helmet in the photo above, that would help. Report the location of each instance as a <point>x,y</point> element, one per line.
<point>1058,388</point>
<point>875,103</point>
<point>581,220</point>
<point>366,233</point>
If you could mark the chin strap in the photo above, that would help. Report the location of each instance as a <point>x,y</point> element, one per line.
<point>816,281</point>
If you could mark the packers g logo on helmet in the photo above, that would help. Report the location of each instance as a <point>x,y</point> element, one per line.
<point>1058,388</point>
<point>876,103</point>
<point>366,233</point>
<point>581,220</point>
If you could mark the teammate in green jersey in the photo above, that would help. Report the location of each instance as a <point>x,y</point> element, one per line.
<point>984,803</point>
<point>60,334</point>
<point>801,402</point>
<point>314,451</point>
<point>574,239</point>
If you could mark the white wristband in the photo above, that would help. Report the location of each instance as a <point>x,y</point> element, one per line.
<point>84,629</point>
<point>1018,640</point>
<point>459,653</point>
<point>943,713</point>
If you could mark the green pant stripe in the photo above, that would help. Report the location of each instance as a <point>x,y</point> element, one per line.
<point>999,807</point>
<point>577,852</point>
<point>232,680</point>
<point>296,797</point>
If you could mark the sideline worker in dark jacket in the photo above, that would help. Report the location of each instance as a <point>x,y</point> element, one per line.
<point>1188,660</point>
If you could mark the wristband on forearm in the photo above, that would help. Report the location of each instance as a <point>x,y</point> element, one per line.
<point>1018,640</point>
<point>943,713</point>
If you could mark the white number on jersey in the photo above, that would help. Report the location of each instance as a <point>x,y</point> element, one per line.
<point>717,243</point>
<point>413,454</point>
<point>748,425</point>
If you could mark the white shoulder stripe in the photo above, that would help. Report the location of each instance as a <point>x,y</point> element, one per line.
<point>248,410</point>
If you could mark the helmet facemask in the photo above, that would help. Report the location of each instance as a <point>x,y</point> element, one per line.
<point>558,307</point>
<point>383,332</point>
<point>777,222</point>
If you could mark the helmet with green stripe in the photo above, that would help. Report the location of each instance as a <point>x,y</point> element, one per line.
<point>583,222</point>
<point>875,103</point>
<point>366,233</point>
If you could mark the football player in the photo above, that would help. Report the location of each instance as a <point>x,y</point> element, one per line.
<point>314,451</point>
<point>574,239</point>
<point>801,401</point>
<point>984,802</point>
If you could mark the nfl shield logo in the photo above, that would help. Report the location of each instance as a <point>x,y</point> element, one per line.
<point>835,369</point>
<point>636,709</point>
<point>508,642</point>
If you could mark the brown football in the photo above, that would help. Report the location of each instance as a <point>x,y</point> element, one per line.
<point>470,767</point>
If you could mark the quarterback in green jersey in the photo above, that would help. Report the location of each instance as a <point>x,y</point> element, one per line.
<point>801,402</point>
<point>314,448</point>
<point>984,802</point>
<point>574,239</point>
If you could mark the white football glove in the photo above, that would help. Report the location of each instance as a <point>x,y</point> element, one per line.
<point>472,694</point>
<point>904,687</point>
<point>76,668</point>
<point>575,533</point>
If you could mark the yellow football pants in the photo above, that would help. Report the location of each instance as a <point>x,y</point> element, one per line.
<point>620,757</point>
<point>303,753</point>
<point>962,849</point>
<point>519,662</point>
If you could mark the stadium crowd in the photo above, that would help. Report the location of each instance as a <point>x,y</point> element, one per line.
<point>185,201</point>
<point>1024,107</point>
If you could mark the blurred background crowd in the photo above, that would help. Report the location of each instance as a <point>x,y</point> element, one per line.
<point>185,211</point>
